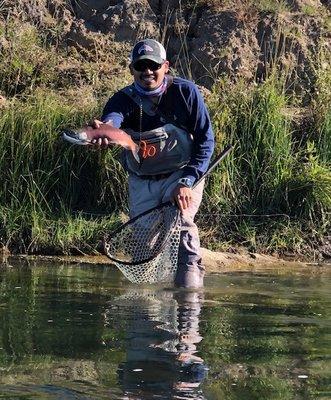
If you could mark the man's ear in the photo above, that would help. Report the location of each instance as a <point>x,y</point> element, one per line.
<point>166,66</point>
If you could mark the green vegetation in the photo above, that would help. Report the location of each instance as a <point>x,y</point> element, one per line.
<point>272,193</point>
<point>273,173</point>
<point>47,184</point>
<point>271,5</point>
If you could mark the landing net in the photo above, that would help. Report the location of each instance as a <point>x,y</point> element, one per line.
<point>145,248</point>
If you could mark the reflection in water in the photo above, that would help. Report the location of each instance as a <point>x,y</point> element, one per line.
<point>69,331</point>
<point>162,337</point>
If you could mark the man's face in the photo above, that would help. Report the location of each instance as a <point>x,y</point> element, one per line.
<point>149,74</point>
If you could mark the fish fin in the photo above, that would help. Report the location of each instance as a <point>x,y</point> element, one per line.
<point>136,154</point>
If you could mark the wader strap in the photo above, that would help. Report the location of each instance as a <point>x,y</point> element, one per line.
<point>147,105</point>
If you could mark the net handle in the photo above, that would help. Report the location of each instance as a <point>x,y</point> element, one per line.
<point>214,163</point>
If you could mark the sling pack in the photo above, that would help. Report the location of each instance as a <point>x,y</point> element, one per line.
<point>162,150</point>
<point>145,103</point>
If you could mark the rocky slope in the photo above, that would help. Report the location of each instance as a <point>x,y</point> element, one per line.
<point>205,39</point>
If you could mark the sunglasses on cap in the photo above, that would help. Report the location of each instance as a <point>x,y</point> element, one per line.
<point>142,65</point>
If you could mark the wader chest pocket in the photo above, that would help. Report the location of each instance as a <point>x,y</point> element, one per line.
<point>162,150</point>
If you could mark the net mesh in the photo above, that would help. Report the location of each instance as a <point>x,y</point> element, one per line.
<point>145,249</point>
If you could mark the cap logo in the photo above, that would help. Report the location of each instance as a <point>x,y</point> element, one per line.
<point>145,47</point>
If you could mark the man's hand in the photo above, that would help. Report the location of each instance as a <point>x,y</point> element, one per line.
<point>99,142</point>
<point>95,123</point>
<point>182,195</point>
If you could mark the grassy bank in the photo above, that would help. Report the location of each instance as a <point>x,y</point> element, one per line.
<point>273,193</point>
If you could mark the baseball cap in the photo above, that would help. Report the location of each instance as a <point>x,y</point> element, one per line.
<point>149,49</point>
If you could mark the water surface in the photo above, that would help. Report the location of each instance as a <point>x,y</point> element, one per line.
<point>83,332</point>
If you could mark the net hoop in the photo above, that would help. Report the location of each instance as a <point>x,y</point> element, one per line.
<point>107,237</point>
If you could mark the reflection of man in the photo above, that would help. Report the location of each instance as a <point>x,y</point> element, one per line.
<point>161,346</point>
<point>191,367</point>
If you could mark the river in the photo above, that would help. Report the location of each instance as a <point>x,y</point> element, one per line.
<point>80,331</point>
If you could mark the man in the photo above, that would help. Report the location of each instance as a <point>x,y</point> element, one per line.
<point>168,118</point>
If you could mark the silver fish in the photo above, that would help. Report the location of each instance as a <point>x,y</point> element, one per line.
<point>117,136</point>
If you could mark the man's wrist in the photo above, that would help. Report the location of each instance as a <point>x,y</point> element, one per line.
<point>186,182</point>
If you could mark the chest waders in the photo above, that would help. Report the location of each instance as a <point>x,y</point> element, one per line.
<point>163,150</point>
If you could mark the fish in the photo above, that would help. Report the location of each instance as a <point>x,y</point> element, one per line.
<point>114,135</point>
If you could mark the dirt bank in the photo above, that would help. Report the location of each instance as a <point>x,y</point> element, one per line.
<point>215,262</point>
<point>205,39</point>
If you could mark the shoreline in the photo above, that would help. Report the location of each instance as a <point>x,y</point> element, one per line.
<point>214,261</point>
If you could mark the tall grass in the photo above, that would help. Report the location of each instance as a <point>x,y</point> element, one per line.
<point>255,122</point>
<point>44,180</point>
<point>50,190</point>
<point>273,181</point>
<point>322,108</point>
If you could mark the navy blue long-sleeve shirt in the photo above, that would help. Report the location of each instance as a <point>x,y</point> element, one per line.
<point>184,103</point>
